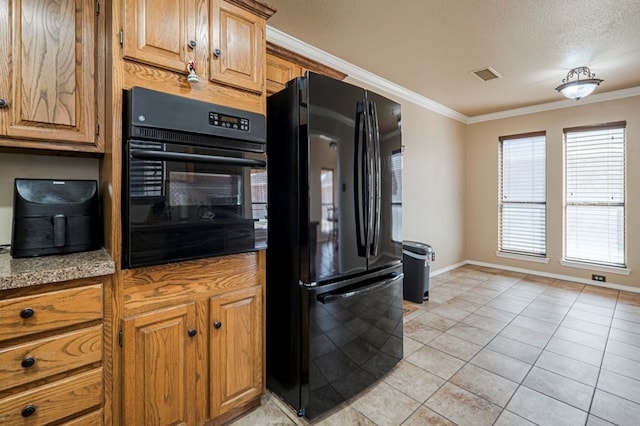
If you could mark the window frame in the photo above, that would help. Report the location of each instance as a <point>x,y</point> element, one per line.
<point>595,263</point>
<point>535,256</point>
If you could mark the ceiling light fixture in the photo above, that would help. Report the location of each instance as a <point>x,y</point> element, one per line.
<point>578,89</point>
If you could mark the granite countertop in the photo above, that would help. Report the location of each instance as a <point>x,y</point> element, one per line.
<point>24,272</point>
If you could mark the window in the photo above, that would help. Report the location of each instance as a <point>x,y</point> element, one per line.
<point>595,194</point>
<point>396,196</point>
<point>329,219</point>
<point>522,208</point>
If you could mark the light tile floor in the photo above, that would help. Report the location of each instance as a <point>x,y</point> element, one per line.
<point>500,348</point>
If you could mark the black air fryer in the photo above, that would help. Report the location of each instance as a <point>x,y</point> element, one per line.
<point>55,217</point>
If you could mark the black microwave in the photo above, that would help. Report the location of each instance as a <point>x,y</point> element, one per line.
<point>194,181</point>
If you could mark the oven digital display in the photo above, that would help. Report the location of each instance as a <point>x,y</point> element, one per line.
<point>228,121</point>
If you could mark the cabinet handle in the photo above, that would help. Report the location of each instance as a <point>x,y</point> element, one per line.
<point>26,313</point>
<point>217,53</point>
<point>217,324</point>
<point>192,332</point>
<point>192,44</point>
<point>3,103</point>
<point>28,410</point>
<point>28,362</point>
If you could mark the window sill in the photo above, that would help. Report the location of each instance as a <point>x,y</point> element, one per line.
<point>596,267</point>
<point>514,256</point>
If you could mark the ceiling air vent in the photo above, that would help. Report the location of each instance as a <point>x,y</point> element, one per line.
<point>486,74</point>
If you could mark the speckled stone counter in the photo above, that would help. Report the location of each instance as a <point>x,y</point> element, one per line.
<point>24,272</point>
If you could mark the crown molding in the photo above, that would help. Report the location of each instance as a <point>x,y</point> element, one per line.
<point>282,39</point>
<point>549,106</point>
<point>298,46</point>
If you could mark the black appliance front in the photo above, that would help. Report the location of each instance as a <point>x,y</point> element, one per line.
<point>355,338</point>
<point>331,221</point>
<point>194,180</point>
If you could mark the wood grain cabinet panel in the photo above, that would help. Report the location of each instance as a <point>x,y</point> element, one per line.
<point>159,367</point>
<point>158,32</point>
<point>236,348</point>
<point>42,358</point>
<point>47,64</point>
<point>237,46</point>
<point>45,404</point>
<point>279,72</point>
<point>22,316</point>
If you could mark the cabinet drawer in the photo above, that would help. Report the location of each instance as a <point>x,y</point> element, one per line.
<point>92,419</point>
<point>54,401</point>
<point>26,315</point>
<point>46,357</point>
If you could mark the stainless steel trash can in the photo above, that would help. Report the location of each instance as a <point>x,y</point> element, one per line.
<point>416,258</point>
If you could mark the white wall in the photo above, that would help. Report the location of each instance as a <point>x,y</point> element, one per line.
<point>36,167</point>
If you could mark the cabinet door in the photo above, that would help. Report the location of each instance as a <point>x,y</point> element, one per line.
<point>159,367</point>
<point>158,32</point>
<point>237,349</point>
<point>47,64</point>
<point>279,72</point>
<point>237,46</point>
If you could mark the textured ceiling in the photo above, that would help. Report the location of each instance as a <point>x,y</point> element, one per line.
<point>431,47</point>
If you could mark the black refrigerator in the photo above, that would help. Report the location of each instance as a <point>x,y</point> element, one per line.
<point>334,261</point>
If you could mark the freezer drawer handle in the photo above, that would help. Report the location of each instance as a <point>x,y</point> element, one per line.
<point>333,297</point>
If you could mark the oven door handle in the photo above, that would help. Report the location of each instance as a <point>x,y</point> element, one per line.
<point>361,291</point>
<point>144,154</point>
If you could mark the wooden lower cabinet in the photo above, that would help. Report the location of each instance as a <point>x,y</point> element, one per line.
<point>199,360</point>
<point>236,349</point>
<point>159,367</point>
<point>51,354</point>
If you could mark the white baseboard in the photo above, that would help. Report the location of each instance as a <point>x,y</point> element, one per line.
<point>447,269</point>
<point>548,275</point>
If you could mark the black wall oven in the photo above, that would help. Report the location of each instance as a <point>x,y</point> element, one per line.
<point>194,179</point>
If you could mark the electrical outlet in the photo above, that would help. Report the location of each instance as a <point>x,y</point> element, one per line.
<point>600,278</point>
<point>433,256</point>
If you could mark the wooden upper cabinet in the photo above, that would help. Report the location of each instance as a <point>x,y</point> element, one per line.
<point>237,56</point>
<point>159,32</point>
<point>284,65</point>
<point>47,69</point>
<point>279,72</point>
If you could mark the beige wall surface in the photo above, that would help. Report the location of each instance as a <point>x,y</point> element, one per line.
<point>433,180</point>
<point>481,213</point>
<point>36,167</point>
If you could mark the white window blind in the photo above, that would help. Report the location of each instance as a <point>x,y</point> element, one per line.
<point>396,196</point>
<point>595,194</point>
<point>522,209</point>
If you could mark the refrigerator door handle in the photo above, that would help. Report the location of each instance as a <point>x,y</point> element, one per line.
<point>326,298</point>
<point>375,213</point>
<point>358,179</point>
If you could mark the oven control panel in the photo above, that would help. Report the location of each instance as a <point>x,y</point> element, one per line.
<point>228,121</point>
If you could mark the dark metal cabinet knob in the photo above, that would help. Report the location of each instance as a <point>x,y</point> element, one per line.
<point>217,324</point>
<point>3,103</point>
<point>192,332</point>
<point>217,53</point>
<point>28,362</point>
<point>192,44</point>
<point>28,410</point>
<point>26,313</point>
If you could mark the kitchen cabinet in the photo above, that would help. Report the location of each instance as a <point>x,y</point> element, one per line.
<point>51,343</point>
<point>48,66</point>
<point>236,348</point>
<point>159,366</point>
<point>160,32</point>
<point>279,72</point>
<point>168,33</point>
<point>283,65</point>
<point>237,46</point>
<point>192,340</point>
